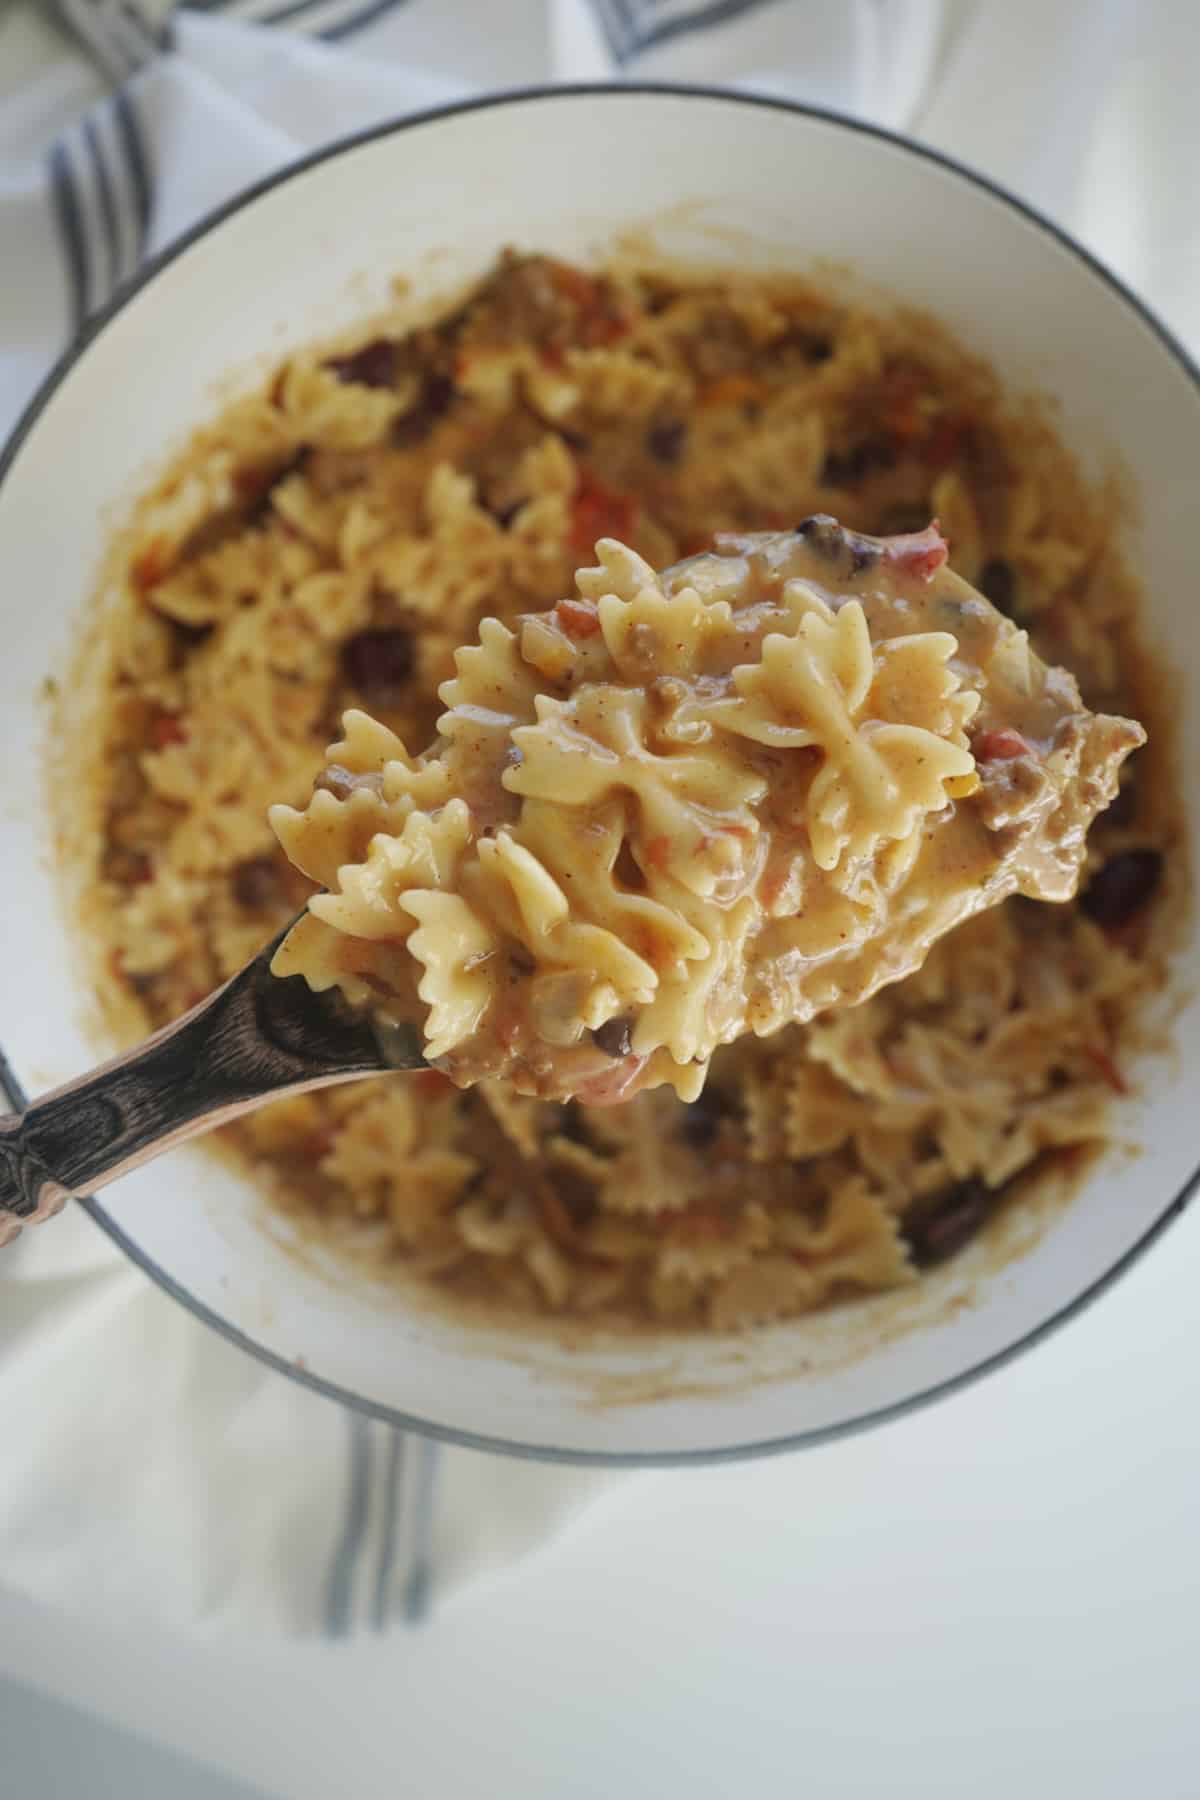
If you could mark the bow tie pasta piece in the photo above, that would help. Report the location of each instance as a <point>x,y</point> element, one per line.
<point>681,807</point>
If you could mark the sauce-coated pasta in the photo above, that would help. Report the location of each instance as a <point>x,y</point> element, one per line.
<point>676,809</point>
<point>330,538</point>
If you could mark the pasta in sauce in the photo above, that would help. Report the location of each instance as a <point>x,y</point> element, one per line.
<point>673,810</point>
<point>331,539</point>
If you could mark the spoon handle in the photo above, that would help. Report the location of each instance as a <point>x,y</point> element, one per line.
<point>250,1041</point>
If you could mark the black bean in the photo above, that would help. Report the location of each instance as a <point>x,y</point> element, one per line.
<point>439,392</point>
<point>615,1038</point>
<point>260,500</point>
<point>941,1227</point>
<point>373,366</point>
<point>842,468</point>
<point>378,663</point>
<point>128,867</point>
<point>414,426</point>
<point>904,517</point>
<point>256,883</point>
<point>998,582</point>
<point>701,1120</point>
<point>802,343</point>
<point>571,1123</point>
<point>576,1194</point>
<point>813,345</point>
<point>1123,809</point>
<point>699,1128</point>
<point>824,535</point>
<point>666,439</point>
<point>1123,887</point>
<point>189,637</point>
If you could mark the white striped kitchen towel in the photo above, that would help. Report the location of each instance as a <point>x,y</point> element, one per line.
<point>149,1466</point>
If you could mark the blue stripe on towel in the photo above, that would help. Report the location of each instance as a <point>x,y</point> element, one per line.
<point>137,160</point>
<point>68,215</point>
<point>339,1600</point>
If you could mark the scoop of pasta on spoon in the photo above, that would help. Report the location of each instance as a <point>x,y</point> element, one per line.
<point>682,807</point>
<point>677,808</point>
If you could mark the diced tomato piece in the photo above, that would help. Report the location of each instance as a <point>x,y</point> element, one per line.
<point>599,321</point>
<point>700,542</point>
<point>731,390</point>
<point>598,511</point>
<point>250,484</point>
<point>700,1226</point>
<point>578,618</point>
<point>999,746</point>
<point>1107,1068</point>
<point>901,404</point>
<point>149,568</point>
<point>920,553</point>
<point>573,284</point>
<point>603,329</point>
<point>945,440</point>
<point>167,728</point>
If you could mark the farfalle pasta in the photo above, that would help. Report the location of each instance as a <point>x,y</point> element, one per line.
<point>678,808</point>
<point>321,550</point>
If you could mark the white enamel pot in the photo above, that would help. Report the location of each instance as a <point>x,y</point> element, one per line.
<point>715,177</point>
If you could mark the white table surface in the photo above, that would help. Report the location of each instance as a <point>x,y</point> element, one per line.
<point>995,1596</point>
